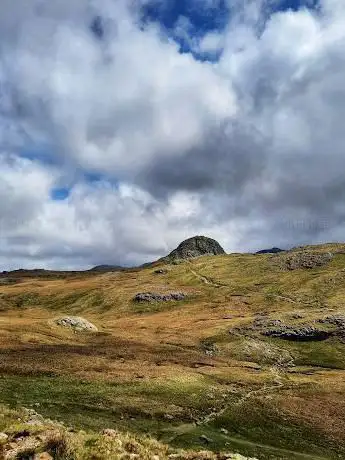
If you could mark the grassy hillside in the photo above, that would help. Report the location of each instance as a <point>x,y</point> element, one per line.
<point>198,373</point>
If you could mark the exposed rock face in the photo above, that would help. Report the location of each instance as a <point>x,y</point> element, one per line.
<point>276,328</point>
<point>302,259</point>
<point>270,251</point>
<point>154,297</point>
<point>195,247</point>
<point>77,323</point>
<point>303,333</point>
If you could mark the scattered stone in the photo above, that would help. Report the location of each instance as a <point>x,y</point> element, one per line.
<point>154,297</point>
<point>195,247</point>
<point>261,322</point>
<point>77,323</point>
<point>335,320</point>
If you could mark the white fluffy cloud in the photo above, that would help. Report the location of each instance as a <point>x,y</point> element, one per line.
<point>247,149</point>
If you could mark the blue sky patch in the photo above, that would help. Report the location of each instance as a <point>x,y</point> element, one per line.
<point>203,19</point>
<point>59,194</point>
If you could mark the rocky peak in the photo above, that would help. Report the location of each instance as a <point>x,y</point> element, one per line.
<point>195,247</point>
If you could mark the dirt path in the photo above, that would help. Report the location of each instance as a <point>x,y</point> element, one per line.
<point>205,279</point>
<point>187,428</point>
<point>277,370</point>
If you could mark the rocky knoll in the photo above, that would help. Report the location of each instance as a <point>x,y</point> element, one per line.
<point>302,260</point>
<point>195,247</point>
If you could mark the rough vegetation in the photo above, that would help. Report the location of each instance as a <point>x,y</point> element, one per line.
<point>171,370</point>
<point>27,435</point>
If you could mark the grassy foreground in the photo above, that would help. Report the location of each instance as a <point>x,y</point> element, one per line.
<point>27,435</point>
<point>197,374</point>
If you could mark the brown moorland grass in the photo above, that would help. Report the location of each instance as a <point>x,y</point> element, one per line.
<point>155,368</point>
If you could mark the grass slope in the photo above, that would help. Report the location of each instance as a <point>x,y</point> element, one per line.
<point>172,369</point>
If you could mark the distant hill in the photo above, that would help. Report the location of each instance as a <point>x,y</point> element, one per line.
<point>270,251</point>
<point>106,268</point>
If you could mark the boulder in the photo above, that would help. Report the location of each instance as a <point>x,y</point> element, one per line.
<point>77,323</point>
<point>154,297</point>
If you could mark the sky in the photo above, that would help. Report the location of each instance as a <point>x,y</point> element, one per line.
<point>127,126</point>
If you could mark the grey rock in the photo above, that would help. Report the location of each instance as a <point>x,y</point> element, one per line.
<point>155,297</point>
<point>335,320</point>
<point>266,322</point>
<point>195,247</point>
<point>304,333</point>
<point>77,323</point>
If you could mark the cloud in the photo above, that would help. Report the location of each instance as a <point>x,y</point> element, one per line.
<point>246,147</point>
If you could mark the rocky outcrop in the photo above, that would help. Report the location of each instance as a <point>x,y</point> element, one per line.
<point>334,320</point>
<point>155,297</point>
<point>302,260</point>
<point>77,323</point>
<point>276,328</point>
<point>195,247</point>
<point>303,333</point>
